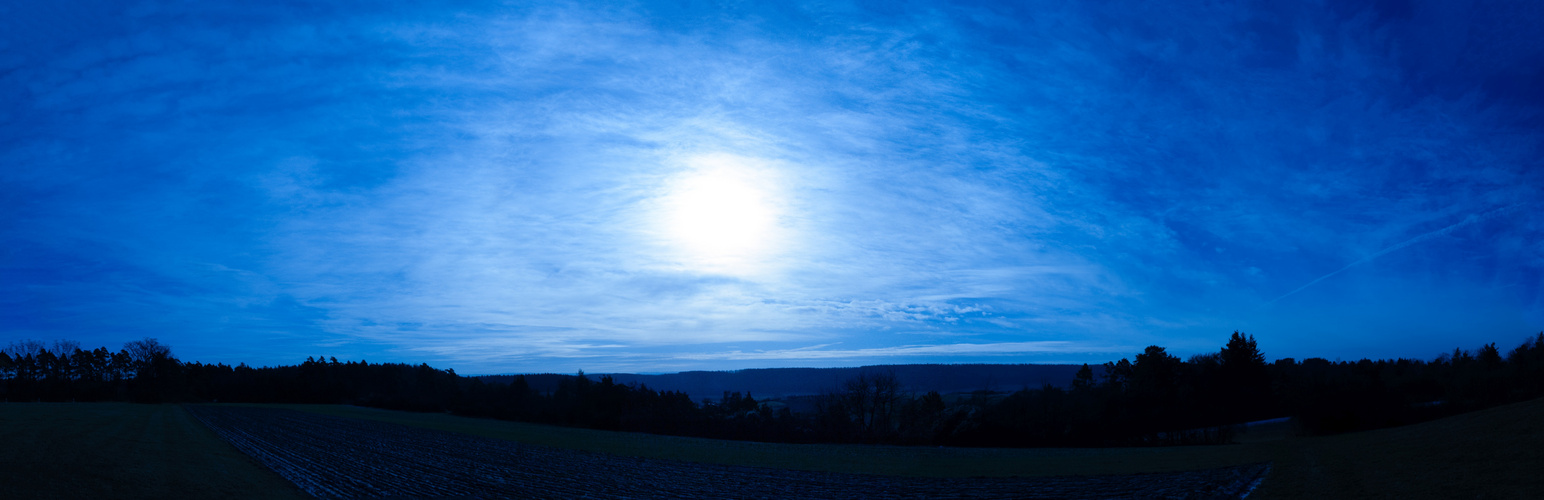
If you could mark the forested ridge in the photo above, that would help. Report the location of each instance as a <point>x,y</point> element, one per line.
<point>1152,399</point>
<point>782,383</point>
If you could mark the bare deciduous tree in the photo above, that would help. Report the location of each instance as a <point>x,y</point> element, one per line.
<point>64,348</point>
<point>28,347</point>
<point>144,354</point>
<point>872,399</point>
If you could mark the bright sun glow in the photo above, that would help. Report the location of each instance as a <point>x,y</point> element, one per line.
<point>723,214</point>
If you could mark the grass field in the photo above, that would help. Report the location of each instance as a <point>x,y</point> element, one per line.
<point>143,451</point>
<point>1495,453</point>
<point>120,450</point>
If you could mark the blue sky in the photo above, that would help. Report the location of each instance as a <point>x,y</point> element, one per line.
<point>547,187</point>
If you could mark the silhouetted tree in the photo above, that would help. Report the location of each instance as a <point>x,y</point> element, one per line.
<point>921,418</point>
<point>24,347</point>
<point>1154,373</point>
<point>156,371</point>
<point>1489,356</point>
<point>1244,379</point>
<point>864,410</point>
<point>1117,375</point>
<point>1084,379</point>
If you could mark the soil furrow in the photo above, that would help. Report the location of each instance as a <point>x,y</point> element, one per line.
<point>332,457</point>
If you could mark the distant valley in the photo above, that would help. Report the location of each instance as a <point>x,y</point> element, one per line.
<point>775,383</point>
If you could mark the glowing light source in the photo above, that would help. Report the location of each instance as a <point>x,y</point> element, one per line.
<point>722,214</point>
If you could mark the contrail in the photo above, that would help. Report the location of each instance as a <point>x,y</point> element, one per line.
<point>1471,219</point>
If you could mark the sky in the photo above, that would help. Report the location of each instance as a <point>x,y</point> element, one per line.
<point>667,186</point>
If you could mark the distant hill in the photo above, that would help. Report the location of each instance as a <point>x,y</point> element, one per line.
<point>764,383</point>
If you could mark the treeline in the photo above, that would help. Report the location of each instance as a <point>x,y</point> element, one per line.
<point>1152,399</point>
<point>141,371</point>
<point>1159,399</point>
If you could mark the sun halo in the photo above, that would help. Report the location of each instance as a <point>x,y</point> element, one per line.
<point>722,215</point>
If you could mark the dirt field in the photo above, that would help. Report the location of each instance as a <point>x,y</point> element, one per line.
<point>918,461</point>
<point>334,457</point>
<point>118,450</point>
<point>110,450</point>
<point>1494,453</point>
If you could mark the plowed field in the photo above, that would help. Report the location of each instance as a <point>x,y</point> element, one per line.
<point>332,457</point>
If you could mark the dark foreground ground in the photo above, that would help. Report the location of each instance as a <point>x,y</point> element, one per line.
<point>116,450</point>
<point>333,457</point>
<point>121,450</point>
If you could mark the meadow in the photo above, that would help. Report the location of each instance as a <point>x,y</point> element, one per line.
<point>123,450</point>
<point>141,451</point>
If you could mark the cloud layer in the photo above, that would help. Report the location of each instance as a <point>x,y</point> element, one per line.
<point>498,189</point>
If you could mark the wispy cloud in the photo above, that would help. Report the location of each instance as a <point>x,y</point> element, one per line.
<point>1003,349</point>
<point>490,188</point>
